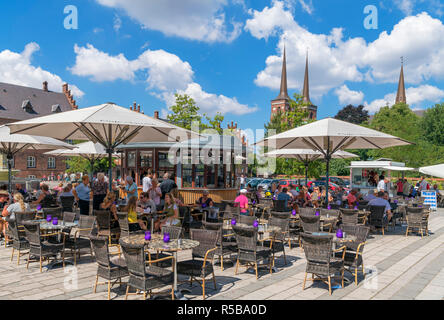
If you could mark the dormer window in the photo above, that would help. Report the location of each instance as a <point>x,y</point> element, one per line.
<point>27,106</point>
<point>56,108</point>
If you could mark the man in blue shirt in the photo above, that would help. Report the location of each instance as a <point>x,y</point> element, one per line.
<point>131,188</point>
<point>284,196</point>
<point>82,193</point>
<point>371,195</point>
<point>380,201</point>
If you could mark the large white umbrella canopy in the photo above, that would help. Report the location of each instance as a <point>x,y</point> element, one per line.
<point>331,135</point>
<point>306,156</point>
<point>107,124</point>
<point>11,144</point>
<point>435,171</point>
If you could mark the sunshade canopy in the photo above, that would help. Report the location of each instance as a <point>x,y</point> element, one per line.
<point>334,135</point>
<point>435,171</point>
<point>305,155</point>
<point>89,150</point>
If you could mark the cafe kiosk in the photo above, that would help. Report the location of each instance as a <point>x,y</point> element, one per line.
<point>360,173</point>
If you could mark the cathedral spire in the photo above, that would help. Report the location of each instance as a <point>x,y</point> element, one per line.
<point>283,94</point>
<point>306,88</point>
<point>400,95</point>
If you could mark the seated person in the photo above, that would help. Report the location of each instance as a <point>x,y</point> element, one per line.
<point>241,201</point>
<point>294,192</point>
<point>351,198</point>
<point>4,198</point>
<point>205,200</point>
<point>135,224</point>
<point>371,195</point>
<point>9,211</point>
<point>18,188</point>
<point>109,204</point>
<point>392,205</point>
<point>45,199</point>
<point>258,194</point>
<point>380,201</point>
<point>171,211</point>
<point>284,196</point>
<point>145,204</point>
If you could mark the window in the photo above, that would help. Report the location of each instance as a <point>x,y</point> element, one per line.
<point>131,161</point>
<point>67,163</point>
<point>51,163</point>
<point>31,177</point>
<point>30,163</point>
<point>5,163</point>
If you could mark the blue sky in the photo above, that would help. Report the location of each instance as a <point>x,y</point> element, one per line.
<point>226,53</point>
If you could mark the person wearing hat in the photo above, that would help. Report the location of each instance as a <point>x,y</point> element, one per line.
<point>371,196</point>
<point>205,200</point>
<point>241,201</point>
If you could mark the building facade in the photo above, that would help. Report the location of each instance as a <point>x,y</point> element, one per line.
<point>20,103</point>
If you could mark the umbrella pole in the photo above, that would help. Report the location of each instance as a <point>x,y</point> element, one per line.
<point>110,156</point>
<point>9,160</point>
<point>327,179</point>
<point>306,174</point>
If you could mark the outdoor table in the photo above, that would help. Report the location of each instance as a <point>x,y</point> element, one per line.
<point>173,246</point>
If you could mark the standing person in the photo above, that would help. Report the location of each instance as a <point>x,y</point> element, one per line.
<point>82,193</point>
<point>242,181</point>
<point>382,176</point>
<point>423,184</point>
<point>155,192</point>
<point>241,201</point>
<point>381,185</point>
<point>406,188</point>
<point>146,181</point>
<point>400,187</point>
<point>130,188</point>
<point>99,189</point>
<point>167,185</point>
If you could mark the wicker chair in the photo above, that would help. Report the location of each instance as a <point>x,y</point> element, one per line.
<point>354,253</point>
<point>277,243</point>
<point>349,216</point>
<point>224,244</point>
<point>320,263</point>
<point>201,264</point>
<point>24,216</point>
<point>103,219</point>
<point>143,277</point>
<point>376,218</point>
<point>69,216</point>
<point>332,213</point>
<point>280,206</point>
<point>175,232</point>
<point>310,223</point>
<point>246,219</point>
<point>294,232</point>
<point>415,221</point>
<point>123,224</point>
<point>19,241</point>
<point>39,248</point>
<point>109,267</point>
<point>67,203</point>
<point>248,249</point>
<point>56,212</point>
<point>281,215</point>
<point>81,238</point>
<point>307,211</point>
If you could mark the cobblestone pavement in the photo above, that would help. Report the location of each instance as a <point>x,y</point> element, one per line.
<point>397,267</point>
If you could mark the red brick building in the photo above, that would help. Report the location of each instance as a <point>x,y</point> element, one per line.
<point>19,103</point>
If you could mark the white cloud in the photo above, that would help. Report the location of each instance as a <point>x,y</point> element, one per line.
<point>415,97</point>
<point>307,5</point>
<point>117,23</point>
<point>166,74</point>
<point>335,58</point>
<point>202,20</point>
<point>16,68</point>
<point>406,6</point>
<point>347,96</point>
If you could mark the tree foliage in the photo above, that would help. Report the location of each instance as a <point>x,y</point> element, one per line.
<point>432,124</point>
<point>352,114</point>
<point>185,111</point>
<point>80,164</point>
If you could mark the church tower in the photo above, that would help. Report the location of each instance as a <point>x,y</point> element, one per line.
<point>282,102</point>
<point>311,109</point>
<point>400,95</point>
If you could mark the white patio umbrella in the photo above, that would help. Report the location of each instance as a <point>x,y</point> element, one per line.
<point>435,171</point>
<point>88,150</point>
<point>330,135</point>
<point>11,144</point>
<point>306,156</point>
<point>107,124</point>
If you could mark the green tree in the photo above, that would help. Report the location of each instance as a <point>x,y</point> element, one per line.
<point>80,164</point>
<point>352,114</point>
<point>185,111</point>
<point>432,124</point>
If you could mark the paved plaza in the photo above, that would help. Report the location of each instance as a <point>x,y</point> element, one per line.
<point>397,267</point>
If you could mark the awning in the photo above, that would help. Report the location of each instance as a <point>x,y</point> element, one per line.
<point>393,168</point>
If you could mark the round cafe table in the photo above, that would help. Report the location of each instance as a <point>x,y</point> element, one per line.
<point>157,243</point>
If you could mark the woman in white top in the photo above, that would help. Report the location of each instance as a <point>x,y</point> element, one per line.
<point>19,205</point>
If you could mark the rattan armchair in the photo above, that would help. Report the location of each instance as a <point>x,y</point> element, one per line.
<point>353,258</point>
<point>56,212</point>
<point>277,243</point>
<point>349,216</point>
<point>123,224</point>
<point>320,262</point>
<point>142,276</point>
<point>377,218</point>
<point>225,245</point>
<point>310,223</point>
<point>109,266</point>
<point>103,220</point>
<point>415,221</point>
<point>201,264</point>
<point>42,249</point>
<point>19,241</point>
<point>249,251</point>
<point>81,238</point>
<point>67,203</point>
<point>307,211</point>
<point>280,206</point>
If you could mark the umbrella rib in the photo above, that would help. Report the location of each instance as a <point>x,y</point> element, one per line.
<point>164,133</point>
<point>70,134</point>
<point>289,143</point>
<point>317,146</point>
<point>32,127</point>
<point>129,136</point>
<point>378,147</point>
<point>105,131</point>
<point>340,144</point>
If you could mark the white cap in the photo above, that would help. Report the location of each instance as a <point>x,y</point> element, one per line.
<point>243,191</point>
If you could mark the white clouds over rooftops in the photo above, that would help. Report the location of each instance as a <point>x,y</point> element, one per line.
<point>17,68</point>
<point>166,74</point>
<point>202,20</point>
<point>347,96</point>
<point>334,59</point>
